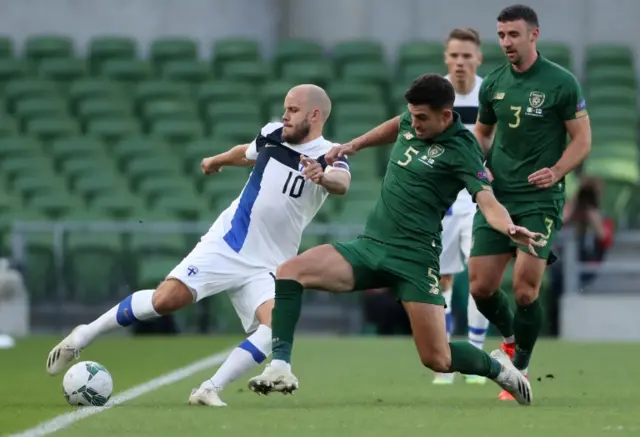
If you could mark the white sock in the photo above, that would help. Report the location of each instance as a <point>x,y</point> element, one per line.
<point>135,307</point>
<point>448,294</point>
<point>477,324</point>
<point>249,354</point>
<point>509,340</point>
<point>282,364</point>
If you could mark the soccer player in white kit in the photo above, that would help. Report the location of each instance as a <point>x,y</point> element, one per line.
<point>462,57</point>
<point>241,251</point>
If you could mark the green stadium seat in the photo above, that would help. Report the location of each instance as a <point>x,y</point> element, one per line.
<point>28,185</point>
<point>76,147</point>
<point>234,49</point>
<point>40,47</point>
<point>140,168</point>
<point>411,71</point>
<point>29,109</point>
<point>613,95</point>
<point>6,47</point>
<point>29,88</point>
<point>93,109</point>
<point>54,205</point>
<point>138,147</point>
<point>148,243</point>
<point>116,205</point>
<point>361,113</point>
<point>355,212</point>
<point>296,50</point>
<point>83,165</point>
<point>605,76</point>
<point>223,91</point>
<point>397,95</point>
<point>11,69</point>
<point>189,71</point>
<point>19,146</point>
<point>62,70</point>
<point>112,130</point>
<point>89,88</point>
<point>13,166</point>
<point>237,132</point>
<point>487,67</point>
<point>157,110</point>
<point>557,52</point>
<point>127,71</point>
<point>154,186</point>
<point>195,151</point>
<point>186,205</point>
<point>420,52</point>
<point>603,133</point>
<point>613,169</point>
<point>492,54</point>
<point>274,92</point>
<point>608,55</point>
<point>177,132</point>
<point>50,129</point>
<point>357,51</point>
<point>252,72</point>
<point>376,73</point>
<point>161,89</point>
<point>91,186</point>
<point>105,48</point>
<point>612,116</point>
<point>8,127</point>
<point>224,112</point>
<point>39,273</point>
<point>173,49</point>
<point>318,72</point>
<point>349,92</point>
<point>274,112</point>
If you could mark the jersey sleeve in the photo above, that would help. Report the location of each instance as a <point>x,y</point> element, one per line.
<point>342,164</point>
<point>252,150</point>
<point>486,114</point>
<point>471,171</point>
<point>259,141</point>
<point>572,102</point>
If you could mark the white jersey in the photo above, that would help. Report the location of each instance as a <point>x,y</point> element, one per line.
<point>264,224</point>
<point>467,106</point>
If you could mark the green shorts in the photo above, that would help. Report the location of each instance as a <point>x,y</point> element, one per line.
<point>544,217</point>
<point>376,265</point>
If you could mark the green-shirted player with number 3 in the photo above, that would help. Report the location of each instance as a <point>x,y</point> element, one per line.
<point>527,108</point>
<point>433,158</point>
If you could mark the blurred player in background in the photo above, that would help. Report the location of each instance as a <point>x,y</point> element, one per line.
<point>433,158</point>
<point>463,57</point>
<point>244,247</point>
<point>530,104</point>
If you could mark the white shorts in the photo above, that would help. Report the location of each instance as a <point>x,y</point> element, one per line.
<point>212,267</point>
<point>456,243</point>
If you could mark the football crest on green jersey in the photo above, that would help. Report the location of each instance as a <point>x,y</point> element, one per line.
<point>435,150</point>
<point>536,99</point>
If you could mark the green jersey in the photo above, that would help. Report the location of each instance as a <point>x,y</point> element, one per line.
<point>529,110</point>
<point>423,179</point>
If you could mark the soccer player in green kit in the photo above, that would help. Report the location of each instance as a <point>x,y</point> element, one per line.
<point>433,158</point>
<point>526,109</point>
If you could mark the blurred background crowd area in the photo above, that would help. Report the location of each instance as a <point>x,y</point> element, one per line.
<point>107,108</point>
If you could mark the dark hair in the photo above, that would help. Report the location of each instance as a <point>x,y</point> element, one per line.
<point>432,90</point>
<point>465,34</point>
<point>519,12</point>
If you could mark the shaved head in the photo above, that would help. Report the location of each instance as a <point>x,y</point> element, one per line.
<point>307,108</point>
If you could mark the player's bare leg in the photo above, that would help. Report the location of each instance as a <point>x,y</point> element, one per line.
<point>436,353</point>
<point>249,354</point>
<point>322,268</point>
<point>170,296</point>
<point>446,284</point>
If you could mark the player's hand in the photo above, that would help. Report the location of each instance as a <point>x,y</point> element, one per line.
<point>312,169</point>
<point>527,238</point>
<point>209,166</point>
<point>544,178</point>
<point>340,150</point>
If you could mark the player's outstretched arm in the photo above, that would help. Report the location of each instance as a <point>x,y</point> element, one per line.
<point>335,180</point>
<point>498,218</point>
<point>386,133</point>
<point>236,156</point>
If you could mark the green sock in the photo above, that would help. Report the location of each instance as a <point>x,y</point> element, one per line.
<point>497,311</point>
<point>526,325</point>
<point>469,360</point>
<point>284,317</point>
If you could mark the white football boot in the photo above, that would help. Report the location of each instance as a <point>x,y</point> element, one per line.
<point>63,354</point>
<point>444,378</point>
<point>206,396</point>
<point>274,378</point>
<point>512,380</point>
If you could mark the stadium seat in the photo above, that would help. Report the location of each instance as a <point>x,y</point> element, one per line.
<point>28,88</point>
<point>173,49</point>
<point>39,47</point>
<point>6,47</point>
<point>361,113</point>
<point>296,50</point>
<point>613,169</point>
<point>127,71</point>
<point>234,49</point>
<point>186,206</point>
<point>138,147</point>
<point>614,95</point>
<point>605,76</point>
<point>62,70</point>
<point>93,109</point>
<point>161,89</point>
<point>608,55</point>
<point>223,91</point>
<point>88,88</point>
<point>11,69</point>
<point>612,149</point>
<point>218,113</point>
<point>420,52</point>
<point>111,130</point>
<point>612,116</point>
<point>157,110</point>
<point>79,166</point>
<point>49,129</point>
<point>8,127</point>
<point>251,72</point>
<point>357,51</point>
<point>557,52</point>
<point>376,73</point>
<point>237,132</point>
<point>188,71</point>
<point>350,92</point>
<point>76,147</point>
<point>27,185</point>
<point>604,133</point>
<point>117,205</point>
<point>355,212</point>
<point>29,109</point>
<point>140,168</point>
<point>274,92</point>
<point>492,54</point>
<point>178,132</point>
<point>193,153</point>
<point>19,146</point>
<point>105,48</point>
<point>92,186</point>
<point>153,186</point>
<point>54,205</point>
<point>411,71</point>
<point>318,72</point>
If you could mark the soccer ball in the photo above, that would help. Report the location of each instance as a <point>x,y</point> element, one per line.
<point>87,383</point>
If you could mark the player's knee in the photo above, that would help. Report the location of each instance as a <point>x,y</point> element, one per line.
<point>437,361</point>
<point>290,269</point>
<point>525,289</point>
<point>170,296</point>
